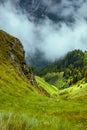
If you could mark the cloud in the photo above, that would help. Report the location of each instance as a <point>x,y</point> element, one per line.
<point>53,39</point>
<point>82,10</point>
<point>58,41</point>
<point>65,8</point>
<point>17,24</point>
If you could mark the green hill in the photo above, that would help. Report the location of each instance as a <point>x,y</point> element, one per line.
<point>66,71</point>
<point>30,103</point>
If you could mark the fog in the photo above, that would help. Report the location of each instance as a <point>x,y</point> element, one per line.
<point>53,39</point>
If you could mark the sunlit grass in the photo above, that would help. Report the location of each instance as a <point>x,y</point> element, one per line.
<point>23,108</point>
<point>49,88</point>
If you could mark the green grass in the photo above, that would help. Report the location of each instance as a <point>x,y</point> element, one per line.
<point>78,90</point>
<point>22,107</point>
<point>46,115</point>
<point>52,90</point>
<point>27,107</point>
<point>56,79</point>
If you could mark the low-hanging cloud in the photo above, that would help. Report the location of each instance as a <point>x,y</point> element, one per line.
<point>53,39</point>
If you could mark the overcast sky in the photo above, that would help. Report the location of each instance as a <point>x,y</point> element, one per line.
<point>54,39</point>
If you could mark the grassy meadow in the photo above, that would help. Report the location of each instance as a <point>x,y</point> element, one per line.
<point>22,107</point>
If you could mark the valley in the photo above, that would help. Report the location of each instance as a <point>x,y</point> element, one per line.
<point>28,102</point>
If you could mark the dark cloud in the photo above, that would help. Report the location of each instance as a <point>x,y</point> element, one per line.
<point>52,39</point>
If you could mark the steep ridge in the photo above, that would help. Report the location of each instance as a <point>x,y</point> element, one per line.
<point>12,55</point>
<point>13,67</point>
<point>16,80</point>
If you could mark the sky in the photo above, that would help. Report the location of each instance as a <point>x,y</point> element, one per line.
<point>53,39</point>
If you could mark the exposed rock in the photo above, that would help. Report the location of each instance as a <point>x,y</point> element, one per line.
<point>12,50</point>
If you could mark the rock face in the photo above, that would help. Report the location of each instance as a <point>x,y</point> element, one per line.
<point>12,52</point>
<point>52,9</point>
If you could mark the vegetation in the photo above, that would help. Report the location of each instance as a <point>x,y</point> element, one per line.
<point>50,89</point>
<point>66,71</point>
<point>37,106</point>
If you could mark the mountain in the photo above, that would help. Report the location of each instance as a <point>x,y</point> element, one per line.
<point>67,70</point>
<point>28,102</point>
<point>36,8</point>
<point>12,55</point>
<point>13,65</point>
<point>41,9</point>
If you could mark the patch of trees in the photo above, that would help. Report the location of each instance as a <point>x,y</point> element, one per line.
<point>74,66</point>
<point>73,59</point>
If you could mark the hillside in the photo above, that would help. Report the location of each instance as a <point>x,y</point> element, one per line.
<point>66,71</point>
<point>30,103</point>
<point>12,61</point>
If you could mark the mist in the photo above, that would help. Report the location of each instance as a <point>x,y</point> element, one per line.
<point>53,39</point>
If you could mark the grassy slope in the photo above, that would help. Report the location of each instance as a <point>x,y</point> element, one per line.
<point>78,90</point>
<point>49,88</point>
<point>22,107</point>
